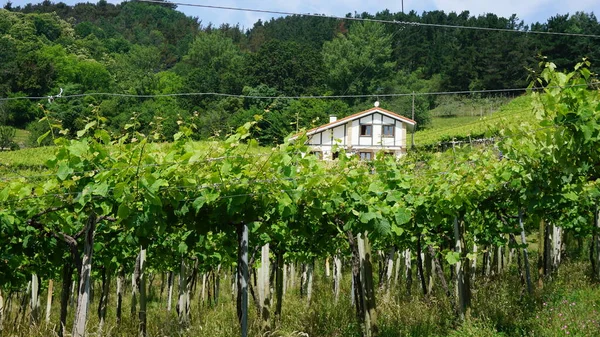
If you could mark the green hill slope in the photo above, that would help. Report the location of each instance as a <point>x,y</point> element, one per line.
<point>446,129</point>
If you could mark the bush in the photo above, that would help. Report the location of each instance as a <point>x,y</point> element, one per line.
<point>7,135</point>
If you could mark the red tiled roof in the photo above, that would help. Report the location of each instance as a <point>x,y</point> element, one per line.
<point>358,115</point>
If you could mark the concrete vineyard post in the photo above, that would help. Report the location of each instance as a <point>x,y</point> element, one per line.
<point>264,290</point>
<point>279,283</point>
<point>408,270</point>
<point>170,290</point>
<point>48,301</point>
<point>337,276</point>
<point>35,299</point>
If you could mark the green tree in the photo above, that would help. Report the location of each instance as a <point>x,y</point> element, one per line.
<point>359,62</point>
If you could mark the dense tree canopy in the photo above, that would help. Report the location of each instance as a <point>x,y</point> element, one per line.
<point>147,49</point>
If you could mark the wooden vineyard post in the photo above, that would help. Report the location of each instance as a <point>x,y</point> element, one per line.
<point>48,302</point>
<point>525,254</point>
<point>142,288</point>
<point>327,268</point>
<point>81,312</point>
<point>242,276</point>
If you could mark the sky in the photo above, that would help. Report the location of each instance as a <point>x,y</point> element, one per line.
<point>529,11</point>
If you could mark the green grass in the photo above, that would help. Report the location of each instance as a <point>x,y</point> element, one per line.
<point>446,128</point>
<point>569,302</point>
<point>21,137</point>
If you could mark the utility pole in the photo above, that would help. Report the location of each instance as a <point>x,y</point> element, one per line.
<point>402,6</point>
<point>413,118</point>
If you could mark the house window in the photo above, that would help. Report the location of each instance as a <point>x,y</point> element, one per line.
<point>365,155</point>
<point>366,130</point>
<point>388,131</point>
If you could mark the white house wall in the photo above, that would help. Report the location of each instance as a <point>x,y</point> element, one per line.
<point>339,132</point>
<point>348,135</point>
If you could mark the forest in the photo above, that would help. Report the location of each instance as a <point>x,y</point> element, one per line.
<point>138,49</point>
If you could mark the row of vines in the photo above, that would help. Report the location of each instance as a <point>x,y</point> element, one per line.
<point>121,207</point>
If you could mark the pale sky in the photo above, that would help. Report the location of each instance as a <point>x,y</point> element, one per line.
<point>528,10</point>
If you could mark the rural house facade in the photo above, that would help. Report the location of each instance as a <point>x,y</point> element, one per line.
<point>364,134</point>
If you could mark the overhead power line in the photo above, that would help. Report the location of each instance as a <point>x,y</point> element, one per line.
<point>405,23</point>
<point>217,94</point>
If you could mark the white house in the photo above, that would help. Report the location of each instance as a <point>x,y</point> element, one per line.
<point>365,133</point>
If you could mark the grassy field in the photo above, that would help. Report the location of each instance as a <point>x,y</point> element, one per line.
<point>567,305</point>
<point>445,128</point>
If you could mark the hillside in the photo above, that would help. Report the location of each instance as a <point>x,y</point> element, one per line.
<point>142,50</point>
<point>466,128</point>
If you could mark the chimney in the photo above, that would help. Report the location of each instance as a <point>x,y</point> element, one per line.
<point>332,119</point>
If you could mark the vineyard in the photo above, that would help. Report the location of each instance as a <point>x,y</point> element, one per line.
<point>212,231</point>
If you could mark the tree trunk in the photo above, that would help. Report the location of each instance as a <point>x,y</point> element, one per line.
<point>439,271</point>
<point>79,325</point>
<point>420,266</point>
<point>103,303</point>
<point>242,276</point>
<point>67,280</point>
<point>135,286</point>
<point>292,275</point>
<point>279,282</point>
<point>183,301</point>
<point>474,261</point>
<point>595,247</point>
<point>120,286</point>
<point>525,254</point>
<point>216,285</point>
<point>429,272</point>
<point>356,294</point>
<point>461,282</point>
<point>2,310</point>
<point>368,290</point>
<point>35,299</point>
